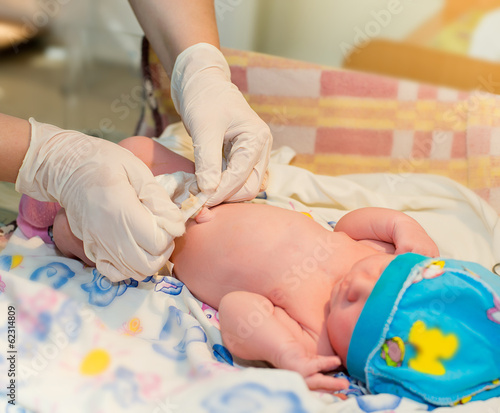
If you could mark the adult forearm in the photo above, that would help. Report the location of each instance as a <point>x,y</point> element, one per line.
<point>14,141</point>
<point>171,26</point>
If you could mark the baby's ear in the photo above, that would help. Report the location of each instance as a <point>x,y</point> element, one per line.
<point>204,215</point>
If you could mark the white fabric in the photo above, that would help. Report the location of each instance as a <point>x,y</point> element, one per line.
<point>113,204</point>
<point>482,44</point>
<point>231,143</point>
<point>152,347</point>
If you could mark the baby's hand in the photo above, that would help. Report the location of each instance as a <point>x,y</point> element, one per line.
<point>315,378</point>
<point>411,237</point>
<point>312,368</point>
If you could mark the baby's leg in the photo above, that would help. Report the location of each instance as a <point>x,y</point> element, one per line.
<point>158,158</point>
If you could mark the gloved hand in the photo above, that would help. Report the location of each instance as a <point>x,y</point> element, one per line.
<point>125,219</point>
<point>218,118</point>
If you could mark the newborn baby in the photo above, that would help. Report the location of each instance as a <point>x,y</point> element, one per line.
<point>274,274</point>
<point>305,298</point>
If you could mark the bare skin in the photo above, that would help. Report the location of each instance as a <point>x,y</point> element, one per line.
<point>273,274</point>
<point>14,139</point>
<point>174,25</point>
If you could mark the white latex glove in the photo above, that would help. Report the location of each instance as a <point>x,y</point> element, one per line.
<point>231,143</point>
<point>125,219</point>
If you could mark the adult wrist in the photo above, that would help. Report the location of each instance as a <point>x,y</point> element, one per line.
<point>192,61</point>
<point>32,178</point>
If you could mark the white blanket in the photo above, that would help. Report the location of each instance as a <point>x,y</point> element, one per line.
<point>83,344</point>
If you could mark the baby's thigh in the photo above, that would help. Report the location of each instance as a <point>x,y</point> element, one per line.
<point>158,158</point>
<point>200,261</point>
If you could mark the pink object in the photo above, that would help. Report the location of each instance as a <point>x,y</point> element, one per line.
<point>35,217</point>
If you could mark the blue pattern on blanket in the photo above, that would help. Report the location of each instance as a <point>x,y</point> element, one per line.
<point>169,285</point>
<point>125,388</point>
<point>356,388</point>
<point>42,325</point>
<point>58,272</point>
<point>178,324</point>
<point>155,279</point>
<point>102,291</point>
<point>69,319</point>
<point>253,397</point>
<point>222,354</point>
<point>56,327</point>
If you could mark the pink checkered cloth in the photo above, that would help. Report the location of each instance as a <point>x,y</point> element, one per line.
<point>344,122</point>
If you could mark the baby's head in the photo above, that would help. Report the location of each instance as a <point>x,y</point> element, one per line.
<point>348,298</point>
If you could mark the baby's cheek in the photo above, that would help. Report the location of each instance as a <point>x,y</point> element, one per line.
<point>337,334</point>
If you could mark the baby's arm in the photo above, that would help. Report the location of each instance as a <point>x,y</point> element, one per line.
<point>254,329</point>
<point>387,225</point>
